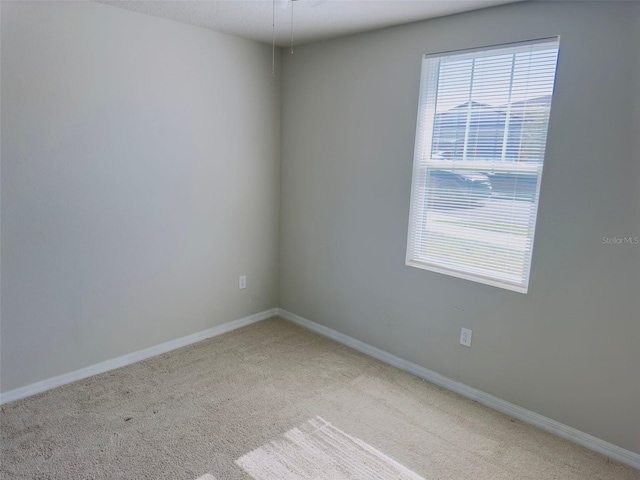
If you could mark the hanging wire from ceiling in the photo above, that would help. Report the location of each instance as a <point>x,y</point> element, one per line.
<point>292,3</point>
<point>273,32</point>
<point>273,38</point>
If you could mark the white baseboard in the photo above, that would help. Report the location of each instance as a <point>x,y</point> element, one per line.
<point>576,436</point>
<point>130,358</point>
<point>612,451</point>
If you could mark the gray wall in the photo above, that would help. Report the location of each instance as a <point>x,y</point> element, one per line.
<point>140,176</point>
<point>570,348</point>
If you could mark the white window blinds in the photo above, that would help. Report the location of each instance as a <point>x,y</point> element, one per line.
<point>480,144</point>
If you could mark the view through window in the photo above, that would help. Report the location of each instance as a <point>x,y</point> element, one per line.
<point>480,143</point>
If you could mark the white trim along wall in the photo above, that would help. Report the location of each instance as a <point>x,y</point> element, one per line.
<point>576,436</point>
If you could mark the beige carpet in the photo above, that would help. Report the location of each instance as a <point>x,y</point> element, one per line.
<point>274,401</point>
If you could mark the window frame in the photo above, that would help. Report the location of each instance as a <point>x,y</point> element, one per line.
<point>429,84</point>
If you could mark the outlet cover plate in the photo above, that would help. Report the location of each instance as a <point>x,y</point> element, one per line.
<point>465,337</point>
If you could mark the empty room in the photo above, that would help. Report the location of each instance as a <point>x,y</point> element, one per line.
<point>320,239</point>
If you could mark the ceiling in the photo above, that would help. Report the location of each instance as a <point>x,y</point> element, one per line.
<point>313,20</point>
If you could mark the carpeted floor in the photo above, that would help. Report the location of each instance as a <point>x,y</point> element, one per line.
<point>274,401</point>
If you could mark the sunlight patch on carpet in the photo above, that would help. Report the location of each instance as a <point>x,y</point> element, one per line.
<point>319,450</point>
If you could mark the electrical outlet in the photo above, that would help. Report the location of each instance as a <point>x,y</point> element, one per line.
<point>465,337</point>
<point>242,282</point>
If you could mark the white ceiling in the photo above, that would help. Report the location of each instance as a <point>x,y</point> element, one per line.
<point>313,20</point>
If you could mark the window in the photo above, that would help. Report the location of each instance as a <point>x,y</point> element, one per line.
<point>480,143</point>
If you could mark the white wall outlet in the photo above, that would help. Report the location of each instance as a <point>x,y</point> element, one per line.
<point>465,337</point>
<point>242,282</point>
